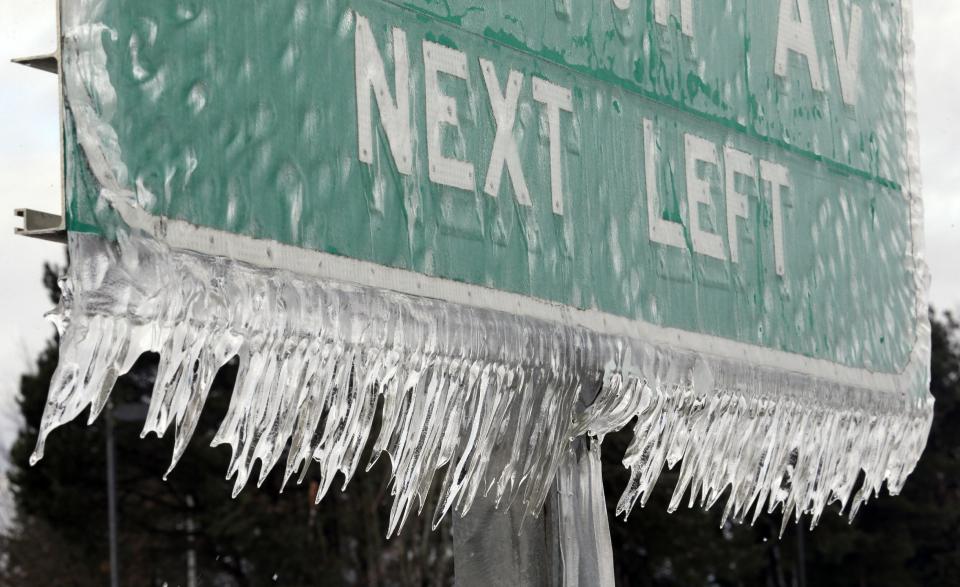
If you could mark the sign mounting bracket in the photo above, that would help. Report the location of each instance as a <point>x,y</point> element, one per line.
<point>49,63</point>
<point>42,225</point>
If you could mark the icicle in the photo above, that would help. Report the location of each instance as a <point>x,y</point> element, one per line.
<point>489,401</point>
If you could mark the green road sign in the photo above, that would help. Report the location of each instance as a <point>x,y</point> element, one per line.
<point>727,177</point>
<point>497,232</point>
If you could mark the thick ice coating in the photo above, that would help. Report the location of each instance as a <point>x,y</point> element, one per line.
<point>454,385</point>
<point>490,401</point>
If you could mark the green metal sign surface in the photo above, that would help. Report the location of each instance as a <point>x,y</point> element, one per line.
<point>734,169</point>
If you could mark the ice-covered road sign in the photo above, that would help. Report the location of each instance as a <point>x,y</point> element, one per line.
<point>742,189</point>
<point>528,221</point>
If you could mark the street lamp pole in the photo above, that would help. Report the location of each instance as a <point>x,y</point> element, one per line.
<point>112,499</point>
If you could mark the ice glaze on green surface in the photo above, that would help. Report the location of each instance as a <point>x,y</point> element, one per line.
<point>241,116</point>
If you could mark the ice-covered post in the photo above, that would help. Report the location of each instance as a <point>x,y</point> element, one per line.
<point>567,544</point>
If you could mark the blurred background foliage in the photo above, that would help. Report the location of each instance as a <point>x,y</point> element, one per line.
<point>189,528</point>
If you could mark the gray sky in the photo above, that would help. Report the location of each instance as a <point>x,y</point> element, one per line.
<point>29,178</point>
<point>29,171</point>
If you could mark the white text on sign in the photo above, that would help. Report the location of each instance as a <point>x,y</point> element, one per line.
<point>557,106</point>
